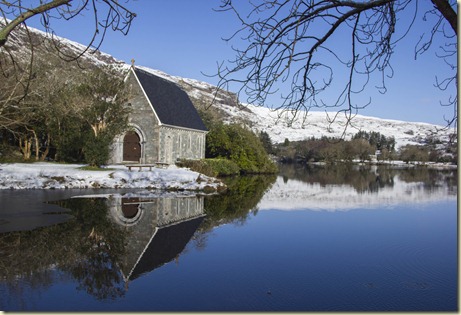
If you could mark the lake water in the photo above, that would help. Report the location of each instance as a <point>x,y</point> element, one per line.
<point>311,239</point>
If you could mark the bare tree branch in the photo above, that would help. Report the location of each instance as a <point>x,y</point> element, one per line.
<point>17,71</point>
<point>448,13</point>
<point>107,14</point>
<point>301,45</point>
<point>21,18</point>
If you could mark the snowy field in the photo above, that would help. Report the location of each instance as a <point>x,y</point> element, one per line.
<point>65,176</point>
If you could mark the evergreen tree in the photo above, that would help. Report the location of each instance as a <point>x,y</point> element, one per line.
<point>266,142</point>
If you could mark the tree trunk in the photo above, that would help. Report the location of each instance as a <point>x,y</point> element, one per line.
<point>47,148</point>
<point>25,145</point>
<point>37,146</point>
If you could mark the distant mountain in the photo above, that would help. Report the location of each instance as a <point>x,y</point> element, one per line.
<point>280,125</point>
<point>226,106</point>
<point>48,47</point>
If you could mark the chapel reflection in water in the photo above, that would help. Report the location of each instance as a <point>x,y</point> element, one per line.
<point>111,240</point>
<point>158,230</point>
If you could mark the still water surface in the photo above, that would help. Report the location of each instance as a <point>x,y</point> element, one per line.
<point>316,239</point>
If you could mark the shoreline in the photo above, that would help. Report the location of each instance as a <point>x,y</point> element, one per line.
<point>48,175</point>
<point>396,163</point>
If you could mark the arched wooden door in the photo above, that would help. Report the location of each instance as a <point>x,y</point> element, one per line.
<point>131,147</point>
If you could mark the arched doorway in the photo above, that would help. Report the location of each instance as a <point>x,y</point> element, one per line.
<point>131,147</point>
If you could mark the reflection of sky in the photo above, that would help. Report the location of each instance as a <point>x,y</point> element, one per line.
<point>297,195</point>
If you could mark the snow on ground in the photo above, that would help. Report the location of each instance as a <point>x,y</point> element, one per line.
<point>62,176</point>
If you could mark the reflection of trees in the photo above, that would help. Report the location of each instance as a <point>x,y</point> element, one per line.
<point>431,177</point>
<point>28,252</point>
<point>362,178</point>
<point>101,245</point>
<point>233,206</point>
<point>85,248</point>
<point>368,178</point>
<point>367,181</point>
<point>97,274</point>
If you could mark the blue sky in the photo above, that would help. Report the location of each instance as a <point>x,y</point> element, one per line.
<point>184,38</point>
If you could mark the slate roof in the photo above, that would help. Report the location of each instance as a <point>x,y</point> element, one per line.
<point>170,102</point>
<point>166,245</point>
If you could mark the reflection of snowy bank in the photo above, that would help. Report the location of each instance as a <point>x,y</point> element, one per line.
<point>298,195</point>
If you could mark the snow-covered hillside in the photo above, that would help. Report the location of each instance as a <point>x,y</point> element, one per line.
<point>281,126</point>
<point>317,124</point>
<point>278,125</point>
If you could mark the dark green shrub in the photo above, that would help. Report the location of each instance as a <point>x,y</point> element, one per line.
<point>222,167</point>
<point>266,142</point>
<point>9,154</point>
<point>96,150</point>
<point>240,145</point>
<point>197,166</point>
<point>211,167</point>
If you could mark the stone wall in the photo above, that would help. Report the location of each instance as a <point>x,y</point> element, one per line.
<point>142,120</point>
<point>178,143</point>
<point>155,212</point>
